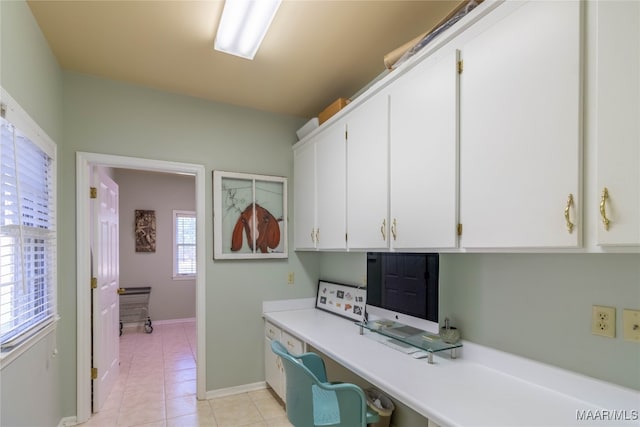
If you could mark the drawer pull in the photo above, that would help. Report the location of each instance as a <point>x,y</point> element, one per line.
<point>566,214</point>
<point>603,208</point>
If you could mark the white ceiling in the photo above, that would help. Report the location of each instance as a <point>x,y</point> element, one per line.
<point>315,51</point>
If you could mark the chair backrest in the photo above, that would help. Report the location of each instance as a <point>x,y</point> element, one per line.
<point>299,380</point>
<point>312,402</point>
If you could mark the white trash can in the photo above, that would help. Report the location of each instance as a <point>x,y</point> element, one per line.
<point>382,405</point>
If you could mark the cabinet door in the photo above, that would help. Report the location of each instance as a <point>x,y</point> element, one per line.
<point>367,174</point>
<point>424,155</point>
<point>304,196</point>
<point>520,145</point>
<point>618,122</point>
<point>331,188</point>
<point>273,371</point>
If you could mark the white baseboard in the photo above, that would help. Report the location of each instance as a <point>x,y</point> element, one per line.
<point>68,421</point>
<point>171,321</point>
<point>222,392</point>
<point>133,325</point>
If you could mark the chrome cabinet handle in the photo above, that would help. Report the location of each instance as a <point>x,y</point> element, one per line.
<point>603,208</point>
<point>566,214</point>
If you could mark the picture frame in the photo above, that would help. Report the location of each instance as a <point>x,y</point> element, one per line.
<point>249,216</point>
<point>145,230</point>
<point>343,300</point>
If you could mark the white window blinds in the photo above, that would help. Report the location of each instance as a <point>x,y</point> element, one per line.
<point>184,248</point>
<point>27,238</point>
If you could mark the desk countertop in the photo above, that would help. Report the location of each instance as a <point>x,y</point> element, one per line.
<point>458,392</point>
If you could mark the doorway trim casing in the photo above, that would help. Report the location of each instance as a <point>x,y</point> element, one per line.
<point>84,162</point>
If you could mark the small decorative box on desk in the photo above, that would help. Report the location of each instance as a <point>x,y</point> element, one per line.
<point>415,337</point>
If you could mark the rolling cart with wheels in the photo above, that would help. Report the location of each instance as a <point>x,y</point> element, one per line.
<point>134,307</point>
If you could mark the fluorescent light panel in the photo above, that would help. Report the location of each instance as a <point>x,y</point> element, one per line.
<point>243,25</point>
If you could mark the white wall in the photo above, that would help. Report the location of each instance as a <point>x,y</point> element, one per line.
<point>162,193</point>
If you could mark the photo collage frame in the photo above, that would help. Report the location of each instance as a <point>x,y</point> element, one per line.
<point>344,300</point>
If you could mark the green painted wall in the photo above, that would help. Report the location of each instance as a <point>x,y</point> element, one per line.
<point>534,305</point>
<point>109,117</point>
<point>539,306</point>
<point>31,75</point>
<point>28,69</point>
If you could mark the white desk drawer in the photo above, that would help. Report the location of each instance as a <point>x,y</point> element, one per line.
<point>272,332</point>
<point>293,344</point>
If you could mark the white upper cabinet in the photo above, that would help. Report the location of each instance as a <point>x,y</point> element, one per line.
<point>331,188</point>
<point>367,174</point>
<point>618,123</point>
<point>424,155</point>
<point>304,196</point>
<point>520,121</point>
<point>319,170</point>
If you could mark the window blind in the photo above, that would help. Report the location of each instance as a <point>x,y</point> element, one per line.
<point>185,243</point>
<point>27,237</point>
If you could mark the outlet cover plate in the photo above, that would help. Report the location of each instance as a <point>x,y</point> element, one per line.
<point>631,325</point>
<point>603,321</point>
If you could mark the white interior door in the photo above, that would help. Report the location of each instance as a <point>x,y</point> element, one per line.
<point>106,309</point>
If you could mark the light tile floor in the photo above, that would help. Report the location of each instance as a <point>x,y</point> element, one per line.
<point>157,387</point>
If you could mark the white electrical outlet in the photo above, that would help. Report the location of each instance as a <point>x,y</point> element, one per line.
<point>290,278</point>
<point>631,325</point>
<point>603,321</point>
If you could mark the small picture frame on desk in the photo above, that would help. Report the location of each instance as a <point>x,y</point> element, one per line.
<point>343,300</point>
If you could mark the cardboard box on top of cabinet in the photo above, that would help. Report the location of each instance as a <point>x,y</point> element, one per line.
<point>332,109</point>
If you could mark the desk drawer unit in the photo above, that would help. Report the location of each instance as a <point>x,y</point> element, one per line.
<point>272,332</point>
<point>273,370</point>
<point>293,344</point>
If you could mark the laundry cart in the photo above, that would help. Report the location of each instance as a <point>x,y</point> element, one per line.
<point>134,307</point>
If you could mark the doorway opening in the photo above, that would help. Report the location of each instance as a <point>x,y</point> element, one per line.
<point>84,163</point>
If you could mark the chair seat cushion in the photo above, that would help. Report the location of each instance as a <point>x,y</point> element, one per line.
<point>326,411</point>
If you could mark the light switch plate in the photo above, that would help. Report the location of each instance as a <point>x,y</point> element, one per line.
<point>603,321</point>
<point>631,325</point>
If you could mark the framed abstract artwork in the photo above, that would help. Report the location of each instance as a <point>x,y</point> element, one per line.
<point>145,230</point>
<point>249,216</point>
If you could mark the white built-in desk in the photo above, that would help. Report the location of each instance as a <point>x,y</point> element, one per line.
<point>503,390</point>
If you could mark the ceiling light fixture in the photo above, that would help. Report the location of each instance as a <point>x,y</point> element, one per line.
<point>243,25</point>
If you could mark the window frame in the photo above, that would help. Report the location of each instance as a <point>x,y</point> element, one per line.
<point>176,275</point>
<point>16,116</point>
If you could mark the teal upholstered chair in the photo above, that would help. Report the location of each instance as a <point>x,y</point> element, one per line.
<point>312,401</point>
